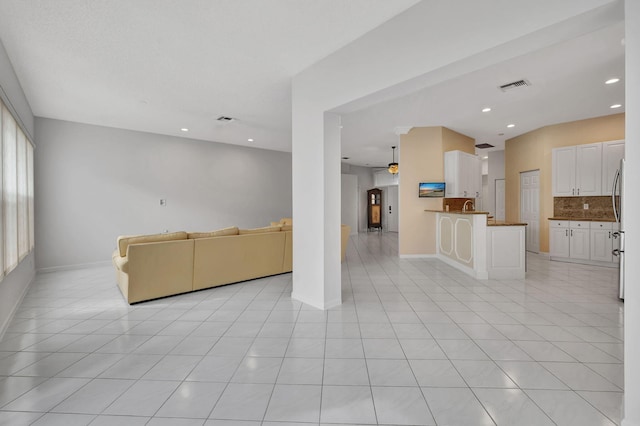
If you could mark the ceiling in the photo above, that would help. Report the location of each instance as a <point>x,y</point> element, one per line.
<point>567,83</point>
<point>160,66</point>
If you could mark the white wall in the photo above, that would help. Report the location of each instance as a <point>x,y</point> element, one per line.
<point>365,183</point>
<point>13,96</point>
<point>14,286</point>
<point>630,209</point>
<point>390,199</point>
<point>95,183</point>
<point>349,201</point>
<point>495,171</point>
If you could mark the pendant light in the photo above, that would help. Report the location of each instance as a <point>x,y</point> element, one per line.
<point>393,167</point>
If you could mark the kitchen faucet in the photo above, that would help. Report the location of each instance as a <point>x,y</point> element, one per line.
<point>464,206</point>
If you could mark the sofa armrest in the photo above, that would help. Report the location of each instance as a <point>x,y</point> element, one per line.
<point>159,269</point>
<point>119,262</point>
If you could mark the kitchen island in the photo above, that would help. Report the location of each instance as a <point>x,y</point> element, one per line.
<point>484,249</point>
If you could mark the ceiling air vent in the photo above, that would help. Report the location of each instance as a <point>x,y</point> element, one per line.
<point>514,85</point>
<point>484,145</point>
<point>225,119</point>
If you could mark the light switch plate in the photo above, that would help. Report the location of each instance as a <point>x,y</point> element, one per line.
<point>586,207</point>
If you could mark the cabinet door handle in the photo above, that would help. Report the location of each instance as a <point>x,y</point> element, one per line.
<point>572,232</point>
<point>566,233</point>
<point>573,191</point>
<point>578,191</point>
<point>609,234</point>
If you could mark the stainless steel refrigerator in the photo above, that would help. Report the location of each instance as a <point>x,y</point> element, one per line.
<point>617,198</point>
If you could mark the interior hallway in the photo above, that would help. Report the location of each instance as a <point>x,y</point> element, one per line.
<point>415,342</point>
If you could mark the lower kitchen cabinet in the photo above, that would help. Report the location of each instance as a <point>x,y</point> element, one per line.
<point>603,241</point>
<point>583,241</point>
<point>579,240</point>
<point>559,238</point>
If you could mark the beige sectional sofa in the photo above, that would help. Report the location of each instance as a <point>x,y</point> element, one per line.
<point>153,266</point>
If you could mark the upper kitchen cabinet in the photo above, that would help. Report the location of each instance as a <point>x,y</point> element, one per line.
<point>585,170</point>
<point>612,153</point>
<point>589,169</point>
<point>563,163</point>
<point>462,175</point>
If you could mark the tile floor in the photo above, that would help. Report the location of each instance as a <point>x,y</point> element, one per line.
<point>415,343</point>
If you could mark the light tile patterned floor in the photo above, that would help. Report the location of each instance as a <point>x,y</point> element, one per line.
<point>415,343</point>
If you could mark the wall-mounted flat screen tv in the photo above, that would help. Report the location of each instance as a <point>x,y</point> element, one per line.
<point>431,190</point>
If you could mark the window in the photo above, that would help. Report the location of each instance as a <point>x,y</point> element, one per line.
<point>16,174</point>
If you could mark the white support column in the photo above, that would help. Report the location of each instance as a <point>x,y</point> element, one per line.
<point>632,225</point>
<point>316,207</point>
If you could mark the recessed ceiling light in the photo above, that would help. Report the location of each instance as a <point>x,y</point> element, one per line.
<point>249,140</point>
<point>612,80</point>
<point>511,125</point>
<point>487,109</point>
<point>184,129</point>
<point>485,157</point>
<point>615,106</point>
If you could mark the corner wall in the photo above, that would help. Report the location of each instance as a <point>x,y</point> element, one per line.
<point>94,183</point>
<point>532,151</point>
<point>14,286</point>
<point>421,160</point>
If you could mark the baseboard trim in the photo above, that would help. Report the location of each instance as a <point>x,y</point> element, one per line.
<point>9,318</point>
<point>328,305</point>
<point>73,267</point>
<point>585,262</point>
<point>418,256</point>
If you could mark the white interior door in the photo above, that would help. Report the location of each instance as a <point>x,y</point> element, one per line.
<point>500,209</point>
<point>391,208</point>
<point>530,208</point>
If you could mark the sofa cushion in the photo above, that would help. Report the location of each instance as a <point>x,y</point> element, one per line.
<point>125,241</point>
<point>260,230</point>
<point>232,230</point>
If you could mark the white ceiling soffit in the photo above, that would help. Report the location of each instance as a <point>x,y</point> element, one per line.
<point>162,65</point>
<point>567,83</point>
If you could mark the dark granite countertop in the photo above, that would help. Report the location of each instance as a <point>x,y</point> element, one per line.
<point>583,219</point>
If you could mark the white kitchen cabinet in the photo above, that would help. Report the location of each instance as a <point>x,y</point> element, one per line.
<point>601,241</point>
<point>563,163</point>
<point>462,175</point>
<point>589,169</point>
<point>585,170</point>
<point>559,238</point>
<point>569,239</point>
<point>612,153</point>
<point>583,241</point>
<point>577,170</point>
<point>579,240</point>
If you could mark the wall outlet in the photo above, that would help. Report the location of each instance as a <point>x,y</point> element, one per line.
<point>586,207</point>
<point>163,202</point>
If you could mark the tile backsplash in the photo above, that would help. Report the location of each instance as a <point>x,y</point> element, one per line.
<point>455,204</point>
<point>599,207</point>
